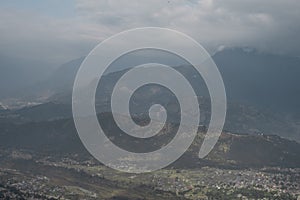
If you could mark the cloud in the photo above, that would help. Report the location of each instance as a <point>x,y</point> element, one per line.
<point>38,37</point>
<point>266,25</point>
<point>271,26</point>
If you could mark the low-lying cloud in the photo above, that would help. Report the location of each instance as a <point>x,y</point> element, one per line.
<point>267,25</point>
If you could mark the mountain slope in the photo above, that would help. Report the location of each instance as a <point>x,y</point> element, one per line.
<point>261,80</point>
<point>232,150</point>
<point>251,78</point>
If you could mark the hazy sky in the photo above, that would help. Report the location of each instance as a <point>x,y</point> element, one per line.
<point>57,31</point>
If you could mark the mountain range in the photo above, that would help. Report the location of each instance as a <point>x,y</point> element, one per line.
<point>263,101</point>
<point>262,91</point>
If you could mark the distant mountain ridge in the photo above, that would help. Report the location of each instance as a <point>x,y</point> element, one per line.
<point>253,93</point>
<point>251,78</point>
<point>261,80</point>
<point>263,92</point>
